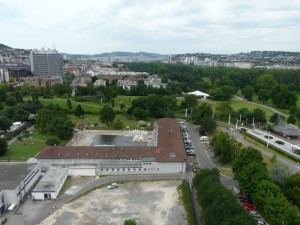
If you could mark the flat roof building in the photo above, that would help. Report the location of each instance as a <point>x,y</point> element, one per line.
<point>46,63</point>
<point>50,185</point>
<point>168,156</point>
<point>16,180</point>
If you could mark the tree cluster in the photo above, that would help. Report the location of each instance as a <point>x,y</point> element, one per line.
<point>52,120</point>
<point>152,105</point>
<point>254,180</point>
<point>219,205</point>
<point>225,147</point>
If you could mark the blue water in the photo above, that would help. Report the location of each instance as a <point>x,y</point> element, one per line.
<point>116,140</point>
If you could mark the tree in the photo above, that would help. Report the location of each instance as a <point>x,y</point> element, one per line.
<point>20,115</point>
<point>44,116</point>
<point>3,146</point>
<point>208,124</point>
<point>292,119</point>
<point>189,101</point>
<point>107,114</point>
<point>291,188</point>
<point>265,82</point>
<point>263,95</point>
<point>282,97</point>
<point>60,126</point>
<point>259,115</point>
<point>225,147</point>
<point>10,100</point>
<point>251,175</point>
<point>52,141</point>
<point>265,189</point>
<point>280,172</point>
<point>248,92</point>
<point>69,103</point>
<point>204,110</point>
<point>129,222</point>
<point>79,112</point>
<point>5,122</point>
<point>275,118</point>
<point>118,125</point>
<point>140,113</point>
<point>245,157</point>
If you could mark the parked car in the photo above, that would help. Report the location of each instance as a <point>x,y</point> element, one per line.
<point>191,153</point>
<point>204,138</point>
<point>112,186</point>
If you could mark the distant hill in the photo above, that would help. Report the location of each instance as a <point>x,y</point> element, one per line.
<point>132,54</point>
<point>5,46</point>
<point>114,54</point>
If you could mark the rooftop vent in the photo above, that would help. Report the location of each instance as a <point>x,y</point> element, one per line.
<point>172,154</point>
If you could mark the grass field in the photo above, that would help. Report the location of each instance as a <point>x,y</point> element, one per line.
<point>22,150</point>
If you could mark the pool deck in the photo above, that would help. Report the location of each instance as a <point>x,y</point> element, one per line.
<point>85,138</point>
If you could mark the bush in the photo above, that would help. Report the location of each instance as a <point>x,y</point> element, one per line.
<point>244,129</point>
<point>52,141</point>
<point>129,222</point>
<point>279,142</point>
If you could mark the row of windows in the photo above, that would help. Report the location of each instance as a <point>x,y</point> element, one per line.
<point>147,163</point>
<point>133,169</point>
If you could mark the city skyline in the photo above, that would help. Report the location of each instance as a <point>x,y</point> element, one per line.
<point>168,27</point>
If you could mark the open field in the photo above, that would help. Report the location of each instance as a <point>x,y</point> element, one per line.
<point>23,150</point>
<point>149,203</point>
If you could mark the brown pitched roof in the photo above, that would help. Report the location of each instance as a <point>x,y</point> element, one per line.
<point>170,148</point>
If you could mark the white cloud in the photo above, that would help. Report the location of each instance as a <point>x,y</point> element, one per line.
<point>171,26</point>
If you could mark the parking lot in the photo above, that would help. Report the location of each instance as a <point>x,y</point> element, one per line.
<point>149,203</point>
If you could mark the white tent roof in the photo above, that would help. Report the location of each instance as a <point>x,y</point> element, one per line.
<point>198,93</point>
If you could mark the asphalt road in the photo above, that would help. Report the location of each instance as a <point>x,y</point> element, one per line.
<point>203,157</point>
<point>294,167</point>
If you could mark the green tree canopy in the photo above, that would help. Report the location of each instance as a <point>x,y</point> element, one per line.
<point>291,188</point>
<point>3,146</point>
<point>79,112</point>
<point>225,147</point>
<point>107,114</point>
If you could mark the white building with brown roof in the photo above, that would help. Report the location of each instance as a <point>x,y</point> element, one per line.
<point>168,156</point>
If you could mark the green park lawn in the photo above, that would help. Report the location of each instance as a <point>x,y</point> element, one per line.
<point>23,150</point>
<point>126,100</point>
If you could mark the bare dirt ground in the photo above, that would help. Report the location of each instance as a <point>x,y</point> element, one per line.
<point>85,137</point>
<point>150,203</point>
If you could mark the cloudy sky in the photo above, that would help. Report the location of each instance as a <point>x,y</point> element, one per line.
<point>161,26</point>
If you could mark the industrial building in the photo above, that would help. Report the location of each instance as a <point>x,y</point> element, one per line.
<point>16,181</point>
<point>50,185</point>
<point>46,63</point>
<point>168,156</point>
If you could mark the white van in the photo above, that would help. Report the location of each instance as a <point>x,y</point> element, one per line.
<point>204,138</point>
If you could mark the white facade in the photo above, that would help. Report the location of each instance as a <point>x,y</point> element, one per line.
<point>16,188</point>
<point>4,76</point>
<point>98,167</point>
<point>50,185</point>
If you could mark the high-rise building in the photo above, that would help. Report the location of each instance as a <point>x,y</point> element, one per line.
<point>46,63</point>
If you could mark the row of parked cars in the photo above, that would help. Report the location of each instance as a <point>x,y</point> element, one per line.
<point>189,148</point>
<point>251,209</point>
